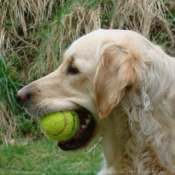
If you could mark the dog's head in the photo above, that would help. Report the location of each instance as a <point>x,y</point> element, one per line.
<point>96,72</point>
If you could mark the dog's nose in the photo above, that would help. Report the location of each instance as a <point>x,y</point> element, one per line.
<point>23,94</point>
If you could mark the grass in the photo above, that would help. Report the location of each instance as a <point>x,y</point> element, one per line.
<point>44,157</point>
<point>34,35</point>
<point>9,84</point>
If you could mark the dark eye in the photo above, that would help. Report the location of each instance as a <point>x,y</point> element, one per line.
<point>72,70</point>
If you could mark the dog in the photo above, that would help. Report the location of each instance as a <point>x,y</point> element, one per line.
<point>125,86</point>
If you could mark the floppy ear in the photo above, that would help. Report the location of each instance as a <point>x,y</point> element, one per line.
<point>118,71</point>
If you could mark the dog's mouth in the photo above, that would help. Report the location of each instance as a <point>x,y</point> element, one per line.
<point>83,135</point>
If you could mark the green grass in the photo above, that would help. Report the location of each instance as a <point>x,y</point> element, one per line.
<point>35,34</point>
<point>9,84</point>
<point>44,157</point>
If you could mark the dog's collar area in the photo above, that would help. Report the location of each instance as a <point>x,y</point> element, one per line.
<point>83,135</point>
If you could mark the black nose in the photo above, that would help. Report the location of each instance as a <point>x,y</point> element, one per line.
<point>24,94</point>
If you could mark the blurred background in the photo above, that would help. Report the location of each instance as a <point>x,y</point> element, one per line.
<point>35,33</point>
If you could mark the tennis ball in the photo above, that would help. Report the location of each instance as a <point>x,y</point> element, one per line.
<point>60,126</point>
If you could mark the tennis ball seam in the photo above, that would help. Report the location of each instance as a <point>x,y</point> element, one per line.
<point>68,129</point>
<point>65,123</point>
<point>57,134</point>
<point>73,122</point>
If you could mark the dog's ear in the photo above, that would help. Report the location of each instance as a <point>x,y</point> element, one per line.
<point>118,72</point>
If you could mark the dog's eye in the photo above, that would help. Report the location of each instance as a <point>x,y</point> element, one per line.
<point>72,70</point>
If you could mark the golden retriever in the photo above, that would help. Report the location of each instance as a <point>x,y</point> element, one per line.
<point>127,85</point>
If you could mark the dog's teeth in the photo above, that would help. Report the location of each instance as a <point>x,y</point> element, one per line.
<point>88,121</point>
<point>83,126</point>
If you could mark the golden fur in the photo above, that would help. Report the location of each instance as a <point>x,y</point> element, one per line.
<point>128,84</point>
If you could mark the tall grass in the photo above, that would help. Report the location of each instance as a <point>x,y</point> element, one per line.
<point>72,19</point>
<point>34,34</point>
<point>9,83</point>
<point>11,116</point>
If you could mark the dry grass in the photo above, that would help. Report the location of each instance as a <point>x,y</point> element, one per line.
<point>74,21</point>
<point>19,21</point>
<point>78,22</point>
<point>141,16</point>
<point>8,123</point>
<point>35,33</point>
<point>146,17</point>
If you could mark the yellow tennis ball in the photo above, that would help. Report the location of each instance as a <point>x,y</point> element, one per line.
<point>60,126</point>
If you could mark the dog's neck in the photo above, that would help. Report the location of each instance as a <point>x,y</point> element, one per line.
<point>120,143</point>
<point>115,131</point>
